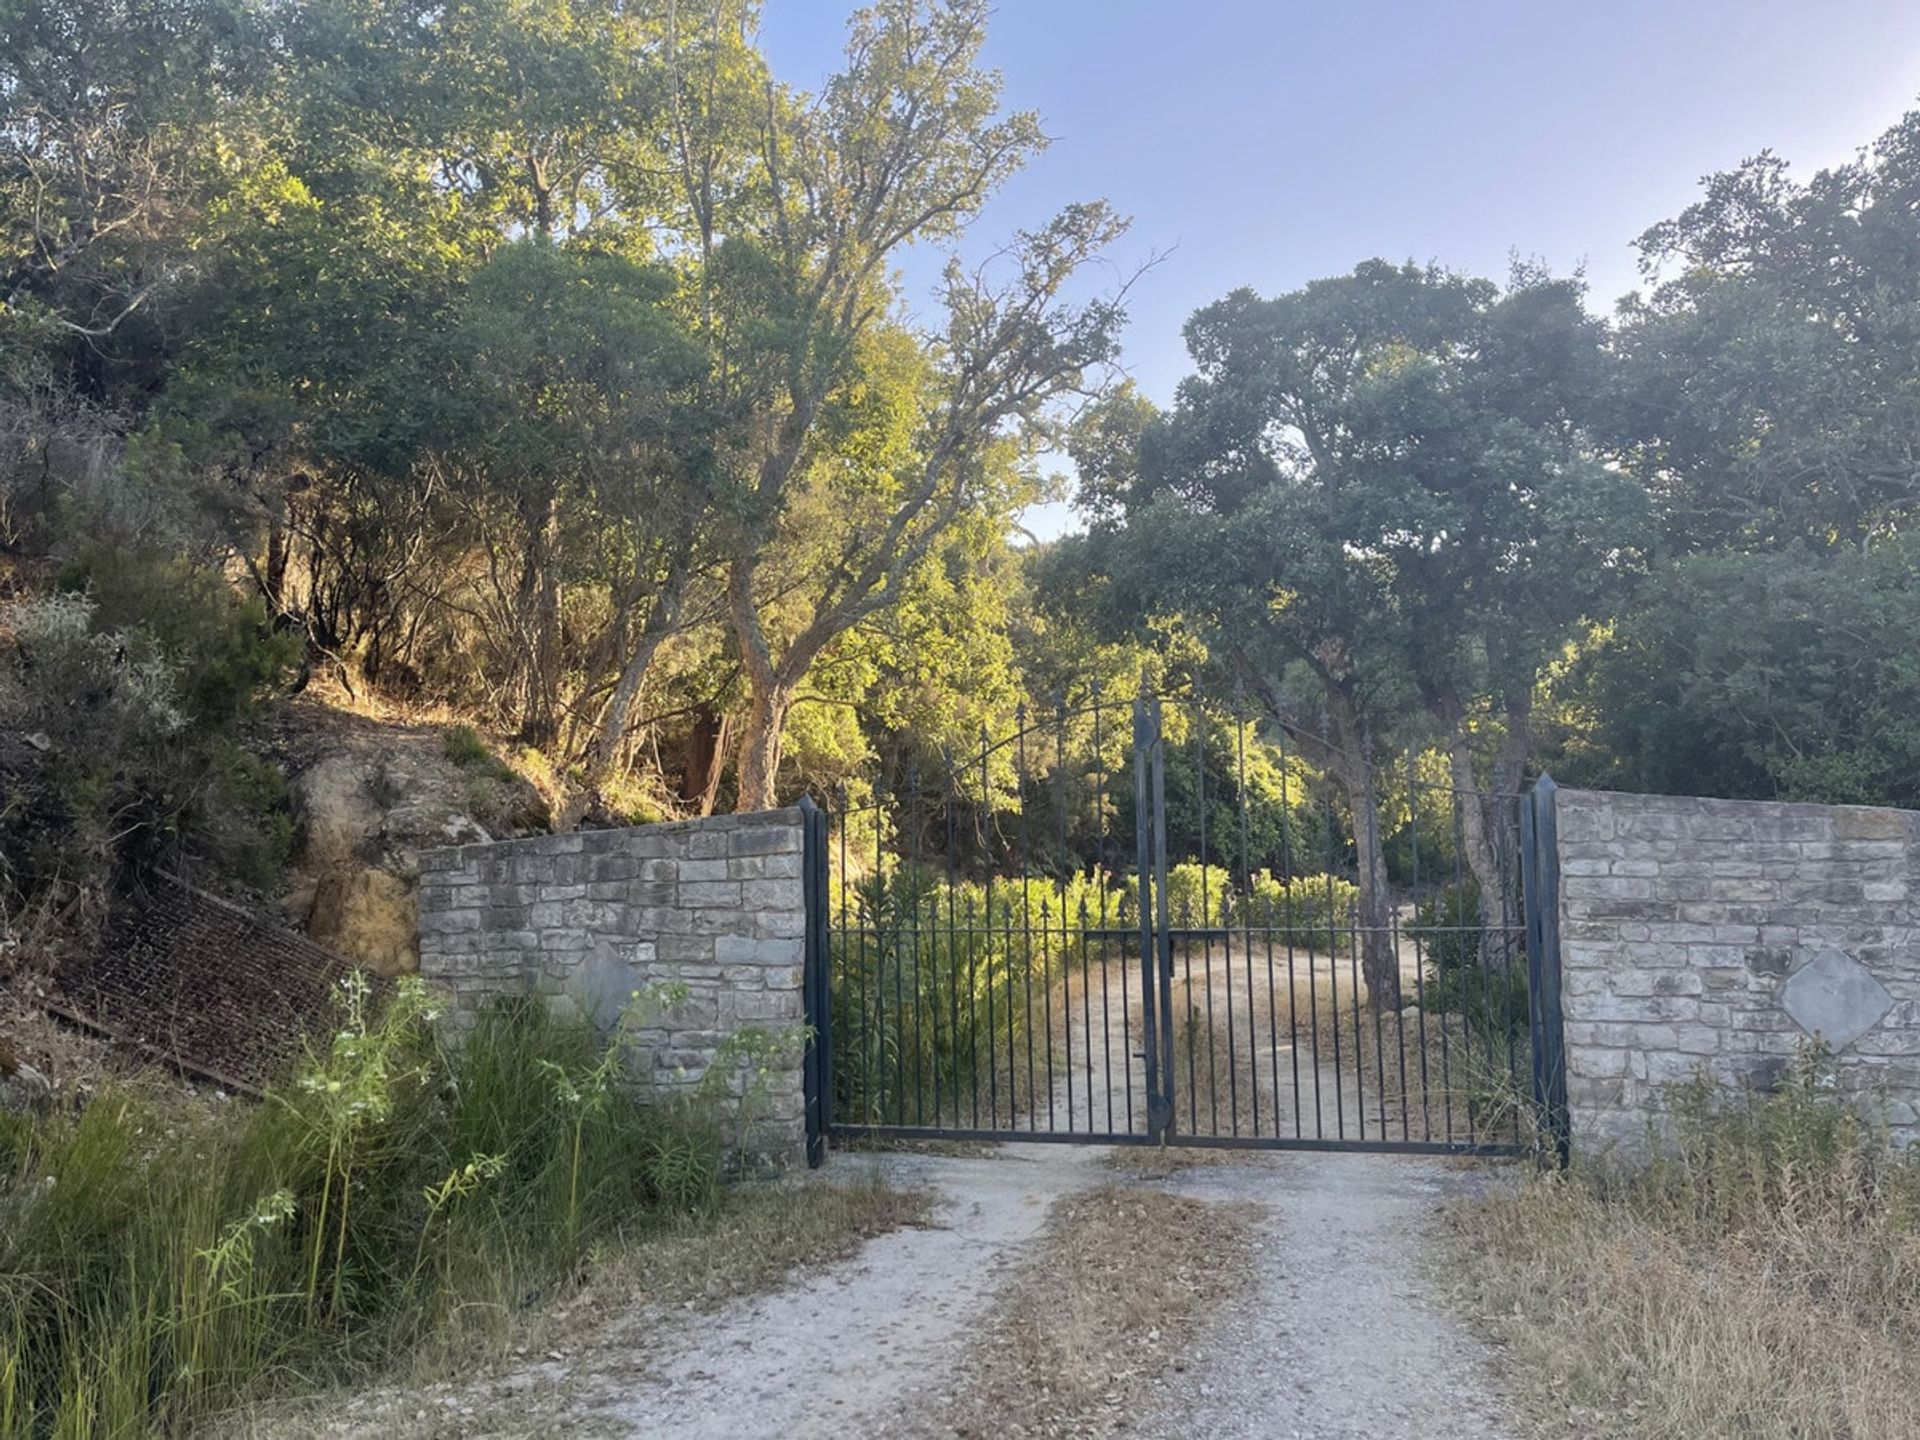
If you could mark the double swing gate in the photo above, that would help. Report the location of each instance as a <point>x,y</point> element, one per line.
<point>1159,922</point>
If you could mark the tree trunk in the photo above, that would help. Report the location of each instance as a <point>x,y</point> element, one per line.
<point>1486,828</point>
<point>770,691</point>
<point>1346,755</point>
<point>1379,960</point>
<point>707,750</point>
<point>661,621</point>
<point>540,613</point>
<point>760,746</point>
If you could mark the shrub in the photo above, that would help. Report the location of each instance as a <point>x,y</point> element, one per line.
<point>463,746</point>
<point>1447,927</point>
<point>1196,895</point>
<point>1312,911</point>
<point>160,1263</point>
<point>137,763</point>
<point>225,653</point>
<point>1488,992</point>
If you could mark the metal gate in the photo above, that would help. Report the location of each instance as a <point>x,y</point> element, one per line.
<point>1159,922</point>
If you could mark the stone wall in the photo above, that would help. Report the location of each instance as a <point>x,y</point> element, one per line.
<point>586,919</point>
<point>1716,936</point>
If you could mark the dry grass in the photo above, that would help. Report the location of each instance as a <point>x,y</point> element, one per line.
<point>1157,1162</point>
<point>1761,1281</point>
<point>755,1241</point>
<point>1119,1283</point>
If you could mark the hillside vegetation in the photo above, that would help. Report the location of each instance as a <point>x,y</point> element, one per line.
<point>541,378</point>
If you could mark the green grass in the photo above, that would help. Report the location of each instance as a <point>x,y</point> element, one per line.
<point>161,1262</point>
<point>463,746</point>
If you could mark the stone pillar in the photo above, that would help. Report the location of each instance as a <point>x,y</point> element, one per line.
<point>1716,938</point>
<point>588,918</point>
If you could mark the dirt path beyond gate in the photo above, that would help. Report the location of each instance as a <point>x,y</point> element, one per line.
<point>1331,1332</point>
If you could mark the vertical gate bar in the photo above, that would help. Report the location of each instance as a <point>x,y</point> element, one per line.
<point>1046,1000</point>
<point>1400,1033</point>
<point>1504,869</point>
<point>1446,1039</point>
<point>1459,892</point>
<point>1065,859</point>
<point>1374,1001</point>
<point>950,962</point>
<point>1541,877</point>
<point>1419,962</point>
<point>890,910</point>
<point>1353,999</point>
<point>1489,1020</point>
<point>993,1024</point>
<point>1246,889</point>
<point>1145,740</point>
<point>988,864</point>
<point>1187,1006</point>
<point>1287,869</point>
<point>1086,1028</point>
<point>910,875</point>
<point>1165,996</point>
<point>1026,906</point>
<point>1206,926</point>
<point>973,1018</point>
<point>1106,979</point>
<point>860,1084</point>
<point>1013,1042</point>
<point>1126,1026</point>
<point>823,896</point>
<point>1333,992</point>
<point>814,959</point>
<point>878,1045</point>
<point>1162,864</point>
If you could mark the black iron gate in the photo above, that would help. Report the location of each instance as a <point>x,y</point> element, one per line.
<point>1159,921</point>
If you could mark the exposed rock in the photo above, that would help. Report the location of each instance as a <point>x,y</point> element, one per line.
<point>366,812</point>
<point>23,1089</point>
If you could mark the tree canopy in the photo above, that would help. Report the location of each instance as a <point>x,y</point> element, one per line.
<point>548,365</point>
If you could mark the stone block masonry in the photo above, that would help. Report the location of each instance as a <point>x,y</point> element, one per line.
<point>1716,936</point>
<point>588,918</point>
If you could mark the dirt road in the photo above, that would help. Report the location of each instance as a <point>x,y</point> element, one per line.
<point>1334,1334</point>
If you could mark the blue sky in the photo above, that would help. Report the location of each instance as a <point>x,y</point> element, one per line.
<point>1264,144</point>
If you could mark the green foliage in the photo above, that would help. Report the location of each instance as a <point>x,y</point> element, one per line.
<point>1310,911</point>
<point>1785,676</point>
<point>463,746</point>
<point>1446,926</point>
<point>1196,894</point>
<point>1229,790</point>
<point>227,654</point>
<point>160,1264</point>
<point>137,691</point>
<point>1770,385</point>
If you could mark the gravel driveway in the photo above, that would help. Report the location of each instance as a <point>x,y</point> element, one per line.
<point>1338,1335</point>
<point>1334,1335</point>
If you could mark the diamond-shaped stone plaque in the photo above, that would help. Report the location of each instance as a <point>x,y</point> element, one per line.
<point>1833,995</point>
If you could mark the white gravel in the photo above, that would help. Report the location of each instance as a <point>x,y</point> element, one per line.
<point>840,1353</point>
<point>1335,1336</point>
<point>1338,1335</point>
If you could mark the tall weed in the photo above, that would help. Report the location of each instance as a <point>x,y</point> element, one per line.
<point>160,1263</point>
